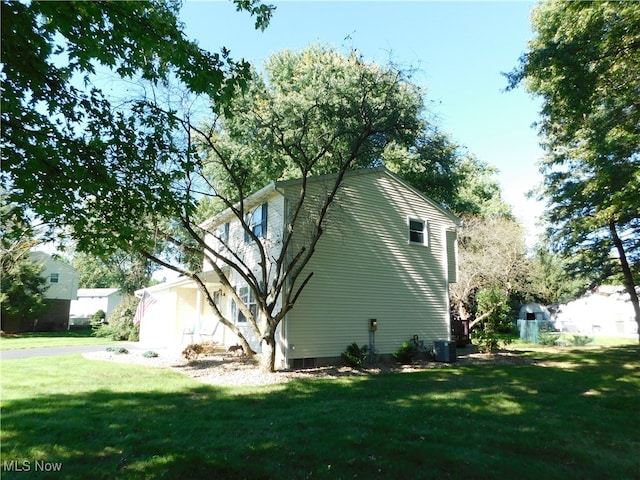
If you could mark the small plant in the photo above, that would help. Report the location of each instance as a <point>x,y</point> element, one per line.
<point>406,353</point>
<point>580,340</point>
<point>192,351</point>
<point>486,339</point>
<point>354,356</point>
<point>547,339</point>
<point>149,354</point>
<point>118,350</point>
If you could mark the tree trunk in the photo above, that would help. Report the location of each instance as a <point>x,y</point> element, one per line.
<point>248,351</point>
<point>268,362</point>
<point>477,320</point>
<point>628,275</point>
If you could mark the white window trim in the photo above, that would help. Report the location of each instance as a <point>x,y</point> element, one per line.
<point>253,225</point>
<point>425,231</point>
<point>249,301</point>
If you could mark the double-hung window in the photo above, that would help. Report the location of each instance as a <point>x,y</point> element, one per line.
<point>418,231</point>
<point>54,278</point>
<point>257,222</point>
<point>223,233</point>
<point>247,297</point>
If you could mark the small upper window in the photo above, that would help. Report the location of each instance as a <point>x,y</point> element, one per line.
<point>417,231</point>
<point>223,233</point>
<point>54,278</point>
<point>257,222</point>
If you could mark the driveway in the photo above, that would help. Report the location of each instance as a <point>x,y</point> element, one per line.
<point>52,351</point>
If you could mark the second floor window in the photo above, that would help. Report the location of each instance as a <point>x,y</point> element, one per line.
<point>257,222</point>
<point>417,231</point>
<point>223,233</point>
<point>54,278</point>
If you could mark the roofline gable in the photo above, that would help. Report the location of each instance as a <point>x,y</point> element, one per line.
<point>382,170</point>
<point>251,200</point>
<point>278,186</point>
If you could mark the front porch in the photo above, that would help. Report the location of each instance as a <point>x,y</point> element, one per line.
<point>181,314</point>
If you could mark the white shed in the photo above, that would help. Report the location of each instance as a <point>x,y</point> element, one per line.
<point>91,300</point>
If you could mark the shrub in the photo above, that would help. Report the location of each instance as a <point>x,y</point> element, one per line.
<point>486,338</point>
<point>354,356</point>
<point>547,339</point>
<point>118,350</point>
<point>580,340</point>
<point>120,326</point>
<point>149,354</point>
<point>406,353</point>
<point>194,350</point>
<point>98,318</point>
<point>493,304</point>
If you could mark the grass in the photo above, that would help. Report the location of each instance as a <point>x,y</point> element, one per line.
<point>51,339</point>
<point>571,414</point>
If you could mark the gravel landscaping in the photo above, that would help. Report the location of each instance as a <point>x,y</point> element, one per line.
<point>230,369</point>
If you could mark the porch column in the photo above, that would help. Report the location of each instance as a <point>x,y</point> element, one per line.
<point>199,310</point>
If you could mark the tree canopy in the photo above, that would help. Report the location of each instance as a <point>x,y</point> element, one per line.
<point>585,65</point>
<point>67,144</point>
<point>23,288</point>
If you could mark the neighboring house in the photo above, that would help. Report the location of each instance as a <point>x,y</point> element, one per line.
<point>388,253</point>
<point>62,280</point>
<point>92,300</point>
<point>607,311</point>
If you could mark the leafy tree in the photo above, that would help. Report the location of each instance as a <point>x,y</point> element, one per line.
<point>441,169</point>
<point>66,144</point>
<point>126,271</point>
<point>551,280</point>
<point>585,65</point>
<point>478,193</point>
<point>22,290</point>
<point>492,258</point>
<point>493,307</point>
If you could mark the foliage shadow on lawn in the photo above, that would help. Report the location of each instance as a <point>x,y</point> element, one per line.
<point>567,415</point>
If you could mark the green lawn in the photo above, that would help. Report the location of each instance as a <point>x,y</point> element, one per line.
<point>51,339</point>
<point>573,414</point>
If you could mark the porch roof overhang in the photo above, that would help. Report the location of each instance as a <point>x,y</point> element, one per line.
<point>209,277</point>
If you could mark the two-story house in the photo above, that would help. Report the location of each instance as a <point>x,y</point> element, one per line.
<point>386,258</point>
<point>61,288</point>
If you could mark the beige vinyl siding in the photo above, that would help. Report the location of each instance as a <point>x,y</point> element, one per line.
<point>365,267</point>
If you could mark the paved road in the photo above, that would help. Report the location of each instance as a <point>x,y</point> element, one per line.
<point>51,351</point>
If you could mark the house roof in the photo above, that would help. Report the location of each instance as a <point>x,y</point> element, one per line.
<point>276,187</point>
<point>52,261</point>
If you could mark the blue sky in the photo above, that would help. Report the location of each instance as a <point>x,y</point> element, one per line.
<point>459,50</point>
